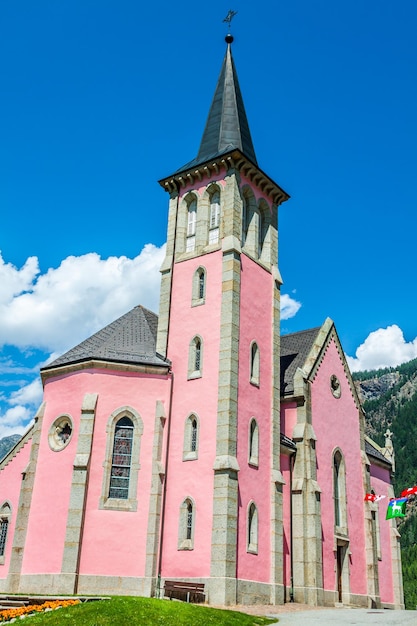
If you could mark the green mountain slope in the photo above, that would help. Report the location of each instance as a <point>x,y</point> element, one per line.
<point>390,401</point>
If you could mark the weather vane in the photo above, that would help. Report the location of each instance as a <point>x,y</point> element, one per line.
<point>229,17</point>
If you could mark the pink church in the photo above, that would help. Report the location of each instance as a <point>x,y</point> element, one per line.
<point>200,445</point>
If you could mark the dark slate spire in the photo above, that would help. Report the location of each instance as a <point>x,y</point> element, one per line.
<point>227,126</point>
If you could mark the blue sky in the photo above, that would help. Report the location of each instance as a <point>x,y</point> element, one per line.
<point>100,100</point>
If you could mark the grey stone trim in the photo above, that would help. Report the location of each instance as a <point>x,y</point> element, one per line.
<point>307,552</point>
<point>76,509</point>
<point>166,277</point>
<point>131,503</point>
<point>396,561</point>
<point>155,502</point>
<point>225,494</point>
<point>276,521</point>
<point>25,499</point>
<point>253,592</point>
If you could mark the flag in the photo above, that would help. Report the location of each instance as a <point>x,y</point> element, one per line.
<point>408,492</point>
<point>372,497</point>
<point>396,508</point>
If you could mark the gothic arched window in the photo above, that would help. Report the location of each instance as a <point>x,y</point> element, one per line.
<point>199,286</point>
<point>195,359</point>
<point>191,224</point>
<point>186,525</point>
<point>214,225</point>
<point>121,464</point>
<point>254,364</point>
<point>5,514</point>
<point>252,529</point>
<point>121,459</point>
<point>253,442</point>
<point>339,491</point>
<point>191,438</point>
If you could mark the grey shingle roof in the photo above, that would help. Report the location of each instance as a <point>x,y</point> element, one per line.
<point>375,453</point>
<point>227,126</point>
<point>295,348</point>
<point>129,339</point>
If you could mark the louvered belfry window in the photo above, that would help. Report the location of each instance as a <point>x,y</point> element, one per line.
<point>121,459</point>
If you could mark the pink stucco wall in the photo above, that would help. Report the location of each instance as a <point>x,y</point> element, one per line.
<point>194,478</point>
<point>255,401</point>
<point>380,480</point>
<point>108,535</point>
<point>10,484</point>
<point>336,425</point>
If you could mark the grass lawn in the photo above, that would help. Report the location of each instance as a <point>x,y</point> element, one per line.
<point>134,611</point>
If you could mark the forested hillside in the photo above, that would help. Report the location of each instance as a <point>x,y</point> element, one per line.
<point>390,401</point>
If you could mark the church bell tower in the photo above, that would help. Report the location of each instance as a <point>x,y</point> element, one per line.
<point>219,325</point>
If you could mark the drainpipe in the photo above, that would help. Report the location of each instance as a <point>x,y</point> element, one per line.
<point>292,462</point>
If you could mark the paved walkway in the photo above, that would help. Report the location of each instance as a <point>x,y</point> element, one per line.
<point>346,617</point>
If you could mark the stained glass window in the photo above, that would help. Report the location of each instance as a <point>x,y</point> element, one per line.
<point>121,459</point>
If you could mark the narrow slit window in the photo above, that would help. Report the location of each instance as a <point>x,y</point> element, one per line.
<point>193,443</point>
<point>253,442</point>
<point>253,529</point>
<point>254,364</point>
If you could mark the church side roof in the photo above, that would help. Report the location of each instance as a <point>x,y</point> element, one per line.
<point>372,450</point>
<point>129,339</point>
<point>295,347</point>
<point>227,127</point>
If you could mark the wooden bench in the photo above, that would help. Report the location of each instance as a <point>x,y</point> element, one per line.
<point>192,592</point>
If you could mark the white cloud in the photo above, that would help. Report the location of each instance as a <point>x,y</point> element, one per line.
<point>56,310</point>
<point>289,307</point>
<point>15,421</point>
<point>385,347</point>
<point>30,394</point>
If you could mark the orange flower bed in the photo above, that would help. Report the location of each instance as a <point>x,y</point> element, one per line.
<point>8,614</point>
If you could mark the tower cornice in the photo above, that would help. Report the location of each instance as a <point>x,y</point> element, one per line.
<point>231,160</point>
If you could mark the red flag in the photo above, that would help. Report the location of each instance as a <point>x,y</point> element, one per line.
<point>372,497</point>
<point>409,492</point>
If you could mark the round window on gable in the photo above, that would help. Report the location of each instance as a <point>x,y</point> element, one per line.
<point>335,386</point>
<point>60,433</point>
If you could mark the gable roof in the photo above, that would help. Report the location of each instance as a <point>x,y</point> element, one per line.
<point>227,127</point>
<point>373,450</point>
<point>295,347</point>
<point>129,339</point>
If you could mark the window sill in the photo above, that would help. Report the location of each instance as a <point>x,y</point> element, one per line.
<point>187,544</point>
<point>190,456</point>
<point>114,504</point>
<point>194,375</point>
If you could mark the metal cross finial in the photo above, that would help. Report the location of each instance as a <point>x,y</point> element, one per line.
<point>229,17</point>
